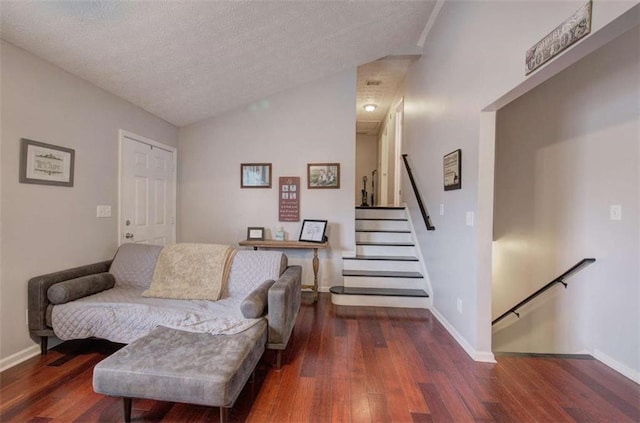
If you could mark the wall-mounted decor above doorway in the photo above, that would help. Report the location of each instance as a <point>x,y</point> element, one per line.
<point>565,34</point>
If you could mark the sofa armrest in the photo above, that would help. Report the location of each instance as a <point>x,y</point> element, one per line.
<point>284,304</point>
<point>37,293</point>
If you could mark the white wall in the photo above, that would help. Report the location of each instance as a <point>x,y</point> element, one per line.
<point>48,228</point>
<point>473,56</point>
<point>565,152</point>
<point>366,162</point>
<point>313,123</point>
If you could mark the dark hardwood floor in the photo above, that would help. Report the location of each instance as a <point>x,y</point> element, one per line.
<point>346,364</point>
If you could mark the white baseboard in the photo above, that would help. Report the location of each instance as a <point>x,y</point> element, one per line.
<point>483,356</point>
<point>19,357</point>
<point>623,369</point>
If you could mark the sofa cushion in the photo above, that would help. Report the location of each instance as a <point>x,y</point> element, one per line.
<point>134,264</point>
<point>250,268</point>
<point>73,289</point>
<point>255,304</point>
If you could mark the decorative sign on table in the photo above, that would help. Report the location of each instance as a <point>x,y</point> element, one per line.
<point>567,33</point>
<point>289,204</point>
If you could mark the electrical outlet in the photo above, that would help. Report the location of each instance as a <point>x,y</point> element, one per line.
<point>459,306</point>
<point>103,211</point>
<point>470,218</point>
<point>615,212</point>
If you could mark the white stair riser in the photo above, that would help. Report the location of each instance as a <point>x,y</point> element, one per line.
<point>375,282</point>
<point>382,225</point>
<point>383,250</point>
<point>383,237</point>
<point>379,301</point>
<point>380,214</point>
<point>391,265</point>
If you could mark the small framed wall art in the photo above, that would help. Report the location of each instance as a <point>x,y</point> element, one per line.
<point>313,230</point>
<point>46,164</point>
<point>255,175</point>
<point>255,234</point>
<point>452,165</point>
<point>323,175</point>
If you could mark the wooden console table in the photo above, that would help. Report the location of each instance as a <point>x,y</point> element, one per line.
<point>298,245</point>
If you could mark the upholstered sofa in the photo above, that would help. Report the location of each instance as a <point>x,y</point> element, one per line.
<point>104,300</point>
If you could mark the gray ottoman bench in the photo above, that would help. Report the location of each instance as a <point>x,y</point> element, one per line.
<point>177,366</point>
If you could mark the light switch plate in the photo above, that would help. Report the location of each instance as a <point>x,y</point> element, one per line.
<point>615,212</point>
<point>470,218</point>
<point>103,211</point>
<point>441,209</point>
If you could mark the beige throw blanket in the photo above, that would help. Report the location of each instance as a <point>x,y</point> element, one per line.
<point>191,272</point>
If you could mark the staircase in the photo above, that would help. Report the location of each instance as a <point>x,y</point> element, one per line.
<point>385,270</point>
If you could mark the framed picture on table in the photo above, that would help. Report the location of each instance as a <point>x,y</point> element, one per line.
<point>255,234</point>
<point>313,231</point>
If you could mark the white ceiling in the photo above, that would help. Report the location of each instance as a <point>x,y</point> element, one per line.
<point>185,61</point>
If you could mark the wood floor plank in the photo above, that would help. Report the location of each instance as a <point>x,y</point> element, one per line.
<point>577,391</point>
<point>539,400</point>
<point>345,364</point>
<point>577,368</point>
<point>437,408</point>
<point>340,400</point>
<point>360,410</point>
<point>302,397</point>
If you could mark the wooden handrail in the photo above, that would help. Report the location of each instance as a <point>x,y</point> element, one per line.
<point>560,279</point>
<point>425,215</point>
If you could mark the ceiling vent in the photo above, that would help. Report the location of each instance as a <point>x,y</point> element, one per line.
<point>374,82</point>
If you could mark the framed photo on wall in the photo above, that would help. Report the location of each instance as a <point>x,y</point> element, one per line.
<point>323,175</point>
<point>452,170</point>
<point>46,164</point>
<point>255,175</point>
<point>313,230</point>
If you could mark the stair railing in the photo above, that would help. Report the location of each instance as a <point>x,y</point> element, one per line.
<point>560,279</point>
<point>423,210</point>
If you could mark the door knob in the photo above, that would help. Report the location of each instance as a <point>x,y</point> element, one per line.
<point>128,235</point>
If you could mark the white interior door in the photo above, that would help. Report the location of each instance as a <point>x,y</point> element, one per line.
<point>147,192</point>
<point>397,193</point>
<point>383,165</point>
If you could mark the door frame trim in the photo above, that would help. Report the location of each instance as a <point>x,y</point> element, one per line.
<point>122,134</point>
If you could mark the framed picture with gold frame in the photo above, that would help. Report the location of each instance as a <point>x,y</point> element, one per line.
<point>323,175</point>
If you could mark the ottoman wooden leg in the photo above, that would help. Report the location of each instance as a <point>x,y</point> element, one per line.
<point>127,409</point>
<point>223,414</point>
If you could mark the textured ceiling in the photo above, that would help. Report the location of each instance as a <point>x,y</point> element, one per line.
<point>378,83</point>
<point>185,61</point>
